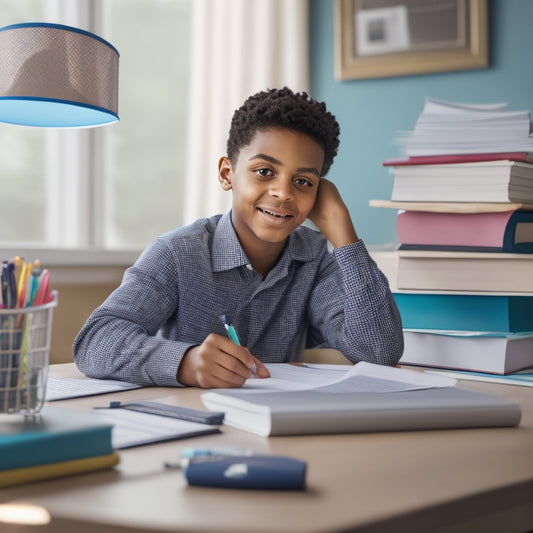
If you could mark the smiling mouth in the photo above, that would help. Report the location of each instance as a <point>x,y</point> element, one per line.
<point>271,213</point>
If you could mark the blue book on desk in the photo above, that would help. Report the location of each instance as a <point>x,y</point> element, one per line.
<point>465,312</point>
<point>55,435</point>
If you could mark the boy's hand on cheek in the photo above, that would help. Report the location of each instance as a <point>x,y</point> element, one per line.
<point>218,363</point>
<point>331,216</point>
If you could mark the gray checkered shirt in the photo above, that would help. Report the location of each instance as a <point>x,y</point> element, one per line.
<point>172,297</point>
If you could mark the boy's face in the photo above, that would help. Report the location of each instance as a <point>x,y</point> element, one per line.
<point>274,184</point>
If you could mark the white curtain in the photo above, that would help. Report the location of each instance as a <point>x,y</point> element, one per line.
<point>239,47</point>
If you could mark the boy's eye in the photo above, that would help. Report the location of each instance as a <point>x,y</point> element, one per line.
<point>264,172</point>
<point>304,182</point>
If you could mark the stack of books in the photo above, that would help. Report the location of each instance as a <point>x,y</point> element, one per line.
<point>58,442</point>
<point>464,195</point>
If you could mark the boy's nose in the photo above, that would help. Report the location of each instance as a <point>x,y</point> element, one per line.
<point>282,189</point>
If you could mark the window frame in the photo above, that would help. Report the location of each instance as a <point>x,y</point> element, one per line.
<point>75,174</point>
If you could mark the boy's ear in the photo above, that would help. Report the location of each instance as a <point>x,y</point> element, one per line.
<point>225,173</point>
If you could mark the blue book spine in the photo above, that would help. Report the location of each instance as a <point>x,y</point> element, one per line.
<point>466,312</point>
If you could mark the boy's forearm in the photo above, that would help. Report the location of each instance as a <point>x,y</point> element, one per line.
<point>112,348</point>
<point>339,229</point>
<point>331,216</point>
<point>372,323</point>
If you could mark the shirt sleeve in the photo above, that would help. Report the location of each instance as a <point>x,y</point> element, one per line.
<point>120,340</point>
<point>352,308</point>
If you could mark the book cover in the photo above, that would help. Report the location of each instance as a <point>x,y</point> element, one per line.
<point>465,312</point>
<point>55,435</point>
<point>464,271</point>
<point>488,352</point>
<point>27,474</point>
<point>510,231</point>
<point>311,412</point>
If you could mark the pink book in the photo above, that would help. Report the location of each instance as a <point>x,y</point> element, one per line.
<point>510,231</point>
<point>525,157</point>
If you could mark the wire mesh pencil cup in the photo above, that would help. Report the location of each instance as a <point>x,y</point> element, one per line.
<point>25,338</point>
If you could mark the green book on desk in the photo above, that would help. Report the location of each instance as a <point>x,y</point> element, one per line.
<point>29,474</point>
<point>53,436</point>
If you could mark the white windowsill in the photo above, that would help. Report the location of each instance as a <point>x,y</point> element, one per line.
<point>77,267</point>
<point>93,267</point>
<point>71,257</point>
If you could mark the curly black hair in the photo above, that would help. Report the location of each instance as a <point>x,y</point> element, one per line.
<point>286,109</point>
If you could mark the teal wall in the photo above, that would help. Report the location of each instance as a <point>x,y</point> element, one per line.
<point>370,112</point>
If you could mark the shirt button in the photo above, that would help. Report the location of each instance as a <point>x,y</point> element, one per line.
<point>249,267</point>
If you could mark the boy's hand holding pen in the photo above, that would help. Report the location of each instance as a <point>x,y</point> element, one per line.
<point>233,336</point>
<point>220,362</point>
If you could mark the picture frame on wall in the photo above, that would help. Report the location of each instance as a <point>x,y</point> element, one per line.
<point>386,38</point>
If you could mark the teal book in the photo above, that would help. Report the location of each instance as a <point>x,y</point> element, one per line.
<point>54,435</point>
<point>523,378</point>
<point>466,312</point>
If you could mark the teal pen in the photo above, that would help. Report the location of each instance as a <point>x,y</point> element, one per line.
<point>233,336</point>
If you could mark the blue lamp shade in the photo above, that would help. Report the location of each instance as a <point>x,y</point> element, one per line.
<point>57,76</point>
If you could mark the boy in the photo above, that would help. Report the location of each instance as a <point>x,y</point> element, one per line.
<point>274,279</point>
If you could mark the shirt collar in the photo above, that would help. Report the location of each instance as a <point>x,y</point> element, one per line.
<point>227,250</point>
<point>228,253</point>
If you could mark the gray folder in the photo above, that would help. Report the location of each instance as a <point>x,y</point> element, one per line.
<point>311,411</point>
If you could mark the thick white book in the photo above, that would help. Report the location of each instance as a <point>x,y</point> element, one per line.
<point>490,181</point>
<point>363,407</point>
<point>464,271</point>
<point>497,353</point>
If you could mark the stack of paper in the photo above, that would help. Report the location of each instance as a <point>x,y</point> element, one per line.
<point>451,128</point>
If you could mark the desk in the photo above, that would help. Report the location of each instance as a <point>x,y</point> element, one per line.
<point>438,481</point>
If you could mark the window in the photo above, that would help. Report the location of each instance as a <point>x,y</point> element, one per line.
<point>118,186</point>
<point>22,198</point>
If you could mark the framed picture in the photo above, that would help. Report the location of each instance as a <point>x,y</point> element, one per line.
<point>385,38</point>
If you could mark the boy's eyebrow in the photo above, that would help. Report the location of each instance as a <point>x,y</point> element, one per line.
<point>274,161</point>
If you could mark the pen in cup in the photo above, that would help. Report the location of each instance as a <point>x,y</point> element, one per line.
<point>232,334</point>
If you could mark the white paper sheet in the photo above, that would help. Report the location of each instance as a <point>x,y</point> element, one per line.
<point>64,388</point>
<point>362,377</point>
<point>131,428</point>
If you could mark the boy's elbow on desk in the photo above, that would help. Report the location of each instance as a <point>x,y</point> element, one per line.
<point>387,350</point>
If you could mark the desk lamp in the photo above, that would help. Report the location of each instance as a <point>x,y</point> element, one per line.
<point>61,77</point>
<point>57,76</point>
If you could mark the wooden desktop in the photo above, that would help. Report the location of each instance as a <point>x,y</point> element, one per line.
<point>438,481</point>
